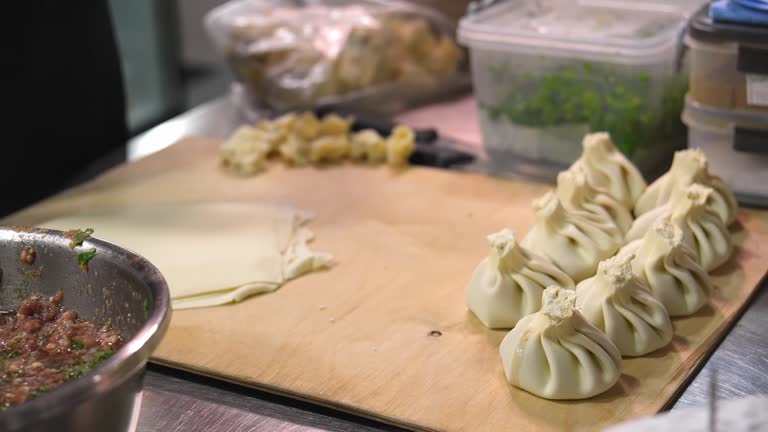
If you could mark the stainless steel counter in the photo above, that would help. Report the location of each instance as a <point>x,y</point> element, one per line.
<point>179,401</point>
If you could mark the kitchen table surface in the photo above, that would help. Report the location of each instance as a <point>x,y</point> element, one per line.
<point>180,401</point>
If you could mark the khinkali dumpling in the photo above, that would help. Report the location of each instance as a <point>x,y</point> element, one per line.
<point>669,267</point>
<point>621,305</point>
<point>607,169</point>
<point>577,194</point>
<point>689,167</point>
<point>573,242</point>
<point>703,229</point>
<point>557,354</point>
<point>507,285</point>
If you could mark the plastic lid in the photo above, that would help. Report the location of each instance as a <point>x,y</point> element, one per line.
<point>617,31</point>
<point>721,120</point>
<point>701,27</point>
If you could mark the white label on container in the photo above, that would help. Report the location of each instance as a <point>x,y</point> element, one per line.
<point>757,89</point>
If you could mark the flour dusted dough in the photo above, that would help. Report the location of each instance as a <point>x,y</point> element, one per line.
<point>213,253</point>
<point>507,285</point>
<point>689,167</point>
<point>607,169</point>
<point>557,354</point>
<point>620,304</point>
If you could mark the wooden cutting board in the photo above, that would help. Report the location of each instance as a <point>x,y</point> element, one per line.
<point>385,333</point>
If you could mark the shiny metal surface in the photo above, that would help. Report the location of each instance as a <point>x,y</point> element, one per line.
<point>180,401</point>
<point>173,399</point>
<point>215,119</point>
<point>119,286</point>
<point>741,360</point>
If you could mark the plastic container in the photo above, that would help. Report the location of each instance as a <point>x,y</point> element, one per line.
<point>547,72</point>
<point>736,145</point>
<point>383,55</point>
<point>728,63</point>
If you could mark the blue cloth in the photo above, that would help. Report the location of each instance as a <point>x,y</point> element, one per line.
<point>754,12</point>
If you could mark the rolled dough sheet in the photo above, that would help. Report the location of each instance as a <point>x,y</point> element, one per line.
<point>213,253</point>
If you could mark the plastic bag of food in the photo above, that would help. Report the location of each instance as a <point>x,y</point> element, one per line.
<point>380,55</point>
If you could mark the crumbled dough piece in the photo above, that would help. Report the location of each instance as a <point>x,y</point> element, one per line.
<point>246,139</point>
<point>300,139</point>
<point>271,134</point>
<point>286,122</point>
<point>400,146</point>
<point>356,148</point>
<point>415,34</point>
<point>445,58</point>
<point>266,126</point>
<point>368,144</point>
<point>307,126</point>
<point>249,164</point>
<point>245,152</point>
<point>334,124</point>
<point>329,149</point>
<point>376,150</point>
<point>294,150</point>
<point>415,73</point>
<point>361,63</point>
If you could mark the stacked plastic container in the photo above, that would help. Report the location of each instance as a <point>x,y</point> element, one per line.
<point>547,72</point>
<point>726,110</point>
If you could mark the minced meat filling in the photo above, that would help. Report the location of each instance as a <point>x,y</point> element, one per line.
<point>45,345</point>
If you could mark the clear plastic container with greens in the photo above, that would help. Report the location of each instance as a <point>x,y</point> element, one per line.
<point>546,72</point>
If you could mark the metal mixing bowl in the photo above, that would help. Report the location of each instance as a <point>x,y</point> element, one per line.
<point>119,286</point>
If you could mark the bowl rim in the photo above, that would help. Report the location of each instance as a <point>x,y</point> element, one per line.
<point>125,362</point>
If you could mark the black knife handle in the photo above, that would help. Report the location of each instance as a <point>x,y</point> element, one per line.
<point>439,156</point>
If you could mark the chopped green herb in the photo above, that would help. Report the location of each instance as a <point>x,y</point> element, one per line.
<point>146,305</point>
<point>82,368</point>
<point>108,324</point>
<point>100,357</point>
<point>40,390</point>
<point>71,372</point>
<point>77,237</point>
<point>76,370</point>
<point>76,344</point>
<point>84,257</point>
<point>9,355</point>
